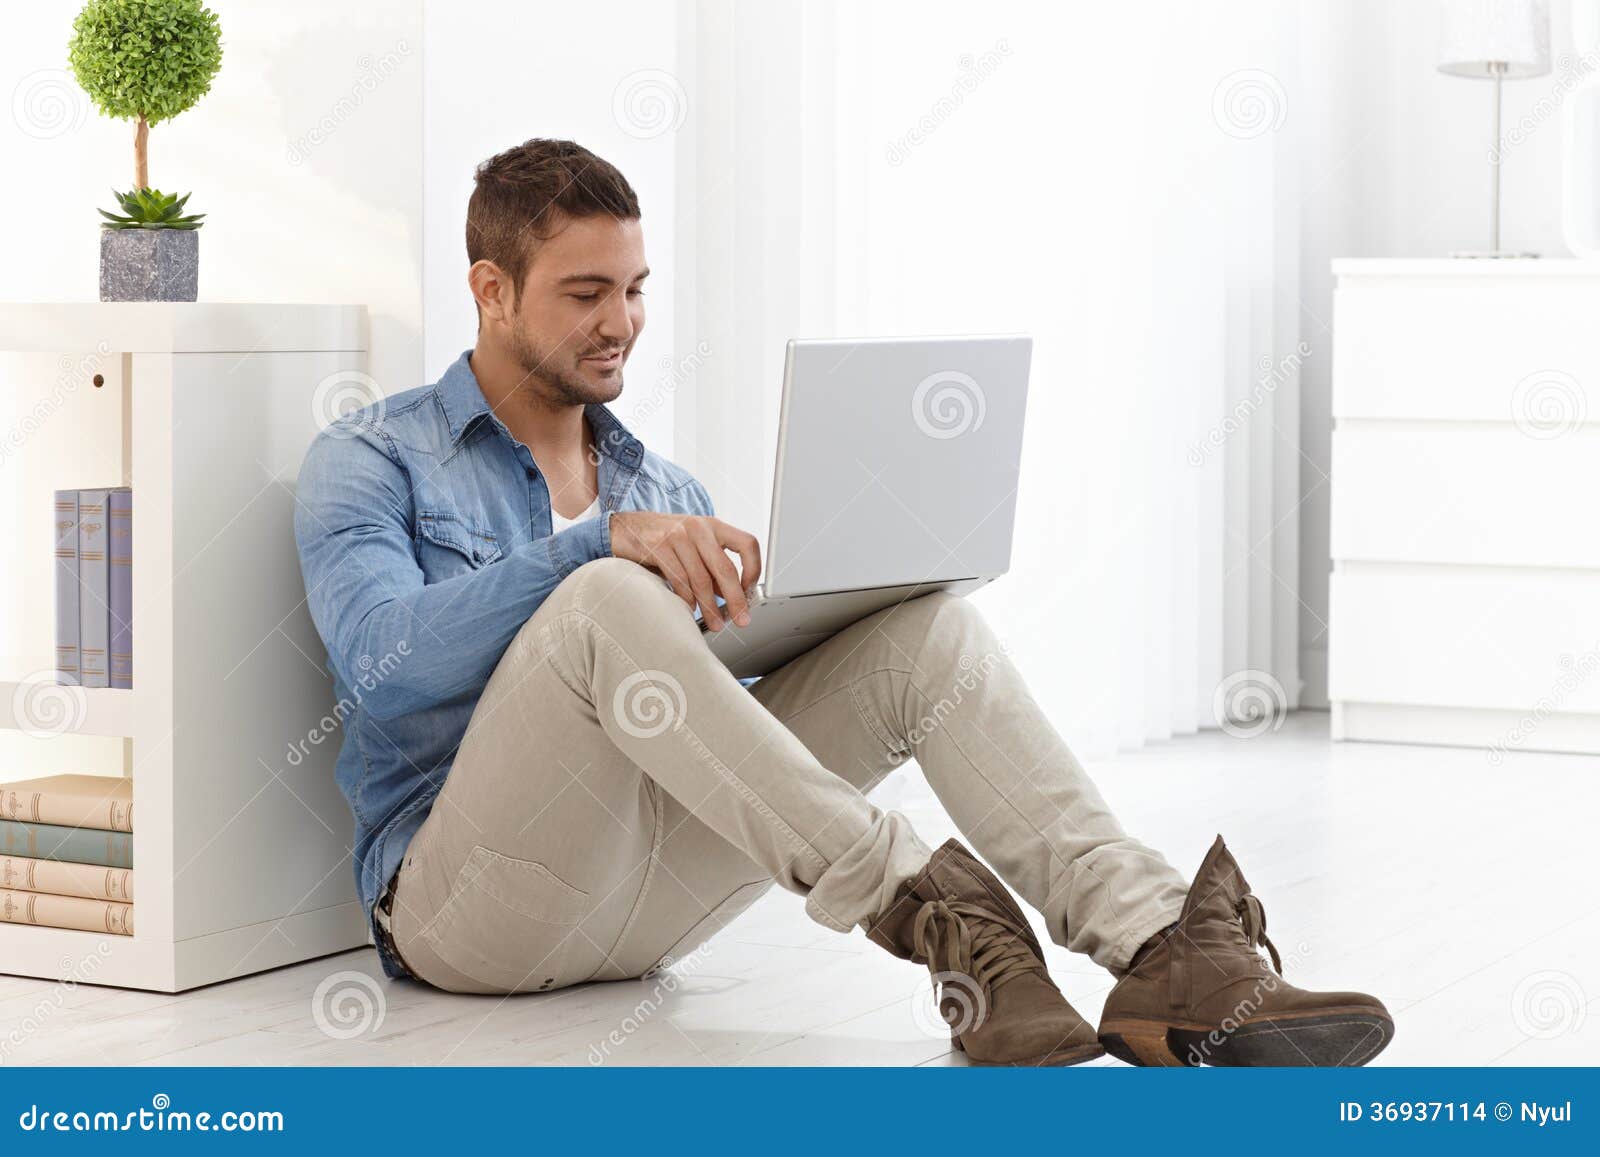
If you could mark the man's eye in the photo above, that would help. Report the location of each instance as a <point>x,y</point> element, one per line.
<point>635,293</point>
<point>586,297</point>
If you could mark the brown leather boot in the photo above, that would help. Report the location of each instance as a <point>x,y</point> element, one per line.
<point>1200,992</point>
<point>988,970</point>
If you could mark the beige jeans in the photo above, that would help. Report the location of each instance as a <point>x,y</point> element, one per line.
<point>619,796</point>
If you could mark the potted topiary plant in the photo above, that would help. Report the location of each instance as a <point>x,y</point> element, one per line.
<point>146,61</point>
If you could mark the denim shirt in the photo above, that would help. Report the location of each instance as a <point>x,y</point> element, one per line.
<point>424,535</point>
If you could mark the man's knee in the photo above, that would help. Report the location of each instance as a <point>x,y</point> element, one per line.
<point>621,599</point>
<point>939,611</point>
<point>941,627</point>
<point>611,582</point>
<point>599,591</point>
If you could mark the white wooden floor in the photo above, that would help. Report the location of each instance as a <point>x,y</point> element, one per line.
<point>1463,893</point>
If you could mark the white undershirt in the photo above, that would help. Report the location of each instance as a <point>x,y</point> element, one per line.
<point>558,523</point>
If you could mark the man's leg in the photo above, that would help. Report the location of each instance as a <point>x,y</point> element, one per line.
<point>617,794</point>
<point>927,679</point>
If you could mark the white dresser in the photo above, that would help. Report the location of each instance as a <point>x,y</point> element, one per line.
<point>1465,595</point>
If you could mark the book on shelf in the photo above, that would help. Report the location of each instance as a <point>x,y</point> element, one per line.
<point>74,801</point>
<point>119,585</point>
<point>66,570</point>
<point>107,849</point>
<point>94,587</point>
<point>94,621</point>
<point>66,852</point>
<point>21,874</point>
<point>65,912</point>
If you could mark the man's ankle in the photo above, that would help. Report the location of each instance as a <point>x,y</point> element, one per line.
<point>1149,946</point>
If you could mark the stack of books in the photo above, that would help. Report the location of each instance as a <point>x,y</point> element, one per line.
<point>66,853</point>
<point>94,587</point>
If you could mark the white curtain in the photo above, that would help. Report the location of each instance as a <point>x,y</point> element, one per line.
<point>1118,181</point>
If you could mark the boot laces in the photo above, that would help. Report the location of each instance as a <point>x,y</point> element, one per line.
<point>1253,917</point>
<point>970,940</point>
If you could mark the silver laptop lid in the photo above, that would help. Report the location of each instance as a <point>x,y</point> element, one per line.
<point>897,462</point>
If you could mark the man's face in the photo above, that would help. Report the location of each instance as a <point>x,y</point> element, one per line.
<point>581,309</point>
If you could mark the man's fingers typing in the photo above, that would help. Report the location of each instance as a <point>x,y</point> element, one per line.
<point>744,544</point>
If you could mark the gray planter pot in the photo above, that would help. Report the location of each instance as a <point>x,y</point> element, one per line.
<point>149,264</point>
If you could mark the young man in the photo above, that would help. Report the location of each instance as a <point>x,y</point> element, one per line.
<point>554,781</point>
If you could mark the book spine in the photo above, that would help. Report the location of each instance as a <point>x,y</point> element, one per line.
<point>73,811</point>
<point>93,620</point>
<point>119,585</point>
<point>66,912</point>
<point>22,874</point>
<point>73,845</point>
<point>66,528</point>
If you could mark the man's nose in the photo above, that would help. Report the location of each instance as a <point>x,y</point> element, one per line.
<point>614,322</point>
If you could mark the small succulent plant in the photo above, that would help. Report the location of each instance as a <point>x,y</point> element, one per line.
<point>151,209</point>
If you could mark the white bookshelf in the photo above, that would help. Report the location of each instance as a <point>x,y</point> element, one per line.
<point>241,857</point>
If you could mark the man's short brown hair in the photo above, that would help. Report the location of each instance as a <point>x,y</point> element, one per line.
<point>521,195</point>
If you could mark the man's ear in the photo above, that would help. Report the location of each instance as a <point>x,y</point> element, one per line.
<point>492,290</point>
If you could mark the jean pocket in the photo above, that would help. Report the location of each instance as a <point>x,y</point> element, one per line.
<point>446,546</point>
<point>507,924</point>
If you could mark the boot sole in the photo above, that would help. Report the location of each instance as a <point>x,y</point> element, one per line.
<point>1328,1038</point>
<point>1056,1058</point>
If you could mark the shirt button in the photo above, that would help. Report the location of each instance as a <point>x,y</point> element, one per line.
<point>532,473</point>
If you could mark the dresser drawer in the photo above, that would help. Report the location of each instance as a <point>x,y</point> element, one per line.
<point>1465,493</point>
<point>1473,637</point>
<point>1466,352</point>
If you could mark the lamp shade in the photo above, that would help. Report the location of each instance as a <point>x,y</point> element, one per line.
<point>1480,37</point>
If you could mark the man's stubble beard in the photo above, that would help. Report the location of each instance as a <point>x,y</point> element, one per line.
<point>551,383</point>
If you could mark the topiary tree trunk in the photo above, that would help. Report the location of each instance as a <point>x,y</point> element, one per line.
<point>141,154</point>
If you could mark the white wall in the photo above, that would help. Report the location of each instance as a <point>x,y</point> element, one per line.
<point>1401,171</point>
<point>498,72</point>
<point>307,157</point>
<point>304,156</point>
<point>906,167</point>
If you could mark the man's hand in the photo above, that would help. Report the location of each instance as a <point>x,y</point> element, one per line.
<point>691,552</point>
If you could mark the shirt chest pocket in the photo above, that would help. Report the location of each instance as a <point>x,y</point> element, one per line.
<point>447,546</point>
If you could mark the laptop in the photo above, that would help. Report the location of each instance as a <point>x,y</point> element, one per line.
<point>896,476</point>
